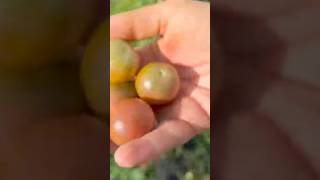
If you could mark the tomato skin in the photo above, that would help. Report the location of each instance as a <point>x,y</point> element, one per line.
<point>122,91</point>
<point>158,83</point>
<point>124,62</point>
<point>130,119</point>
<point>94,71</point>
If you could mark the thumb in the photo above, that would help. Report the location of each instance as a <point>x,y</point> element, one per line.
<point>138,24</point>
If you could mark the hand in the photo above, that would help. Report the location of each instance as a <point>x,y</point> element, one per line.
<point>184,30</point>
<point>268,120</point>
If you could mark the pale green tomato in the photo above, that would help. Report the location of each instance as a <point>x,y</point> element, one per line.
<point>124,62</point>
<point>158,83</point>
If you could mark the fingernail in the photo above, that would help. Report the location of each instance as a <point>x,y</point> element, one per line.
<point>122,160</point>
<point>133,154</point>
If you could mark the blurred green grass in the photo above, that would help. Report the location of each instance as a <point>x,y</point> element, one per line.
<point>188,162</point>
<point>118,6</point>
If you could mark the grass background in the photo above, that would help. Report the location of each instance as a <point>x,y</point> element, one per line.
<point>188,162</point>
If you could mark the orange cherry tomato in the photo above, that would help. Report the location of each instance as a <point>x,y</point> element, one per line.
<point>130,119</point>
<point>158,83</point>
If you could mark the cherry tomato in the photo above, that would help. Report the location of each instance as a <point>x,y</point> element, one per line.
<point>94,71</point>
<point>158,83</point>
<point>122,91</point>
<point>124,62</point>
<point>130,119</point>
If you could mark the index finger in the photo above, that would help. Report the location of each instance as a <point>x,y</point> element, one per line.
<point>137,24</point>
<point>150,147</point>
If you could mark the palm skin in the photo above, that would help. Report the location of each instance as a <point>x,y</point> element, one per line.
<point>185,43</point>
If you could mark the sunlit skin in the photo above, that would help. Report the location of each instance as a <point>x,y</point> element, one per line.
<point>185,43</point>
<point>124,62</point>
<point>158,83</point>
<point>130,119</point>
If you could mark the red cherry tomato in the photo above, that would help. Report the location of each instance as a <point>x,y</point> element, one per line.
<point>130,119</point>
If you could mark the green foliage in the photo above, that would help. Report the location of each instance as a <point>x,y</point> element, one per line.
<point>116,173</point>
<point>118,6</point>
<point>188,162</point>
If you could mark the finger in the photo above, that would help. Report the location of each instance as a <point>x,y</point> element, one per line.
<point>169,135</point>
<point>137,24</point>
<point>186,119</point>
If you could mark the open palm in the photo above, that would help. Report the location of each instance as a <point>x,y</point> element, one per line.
<point>184,29</point>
